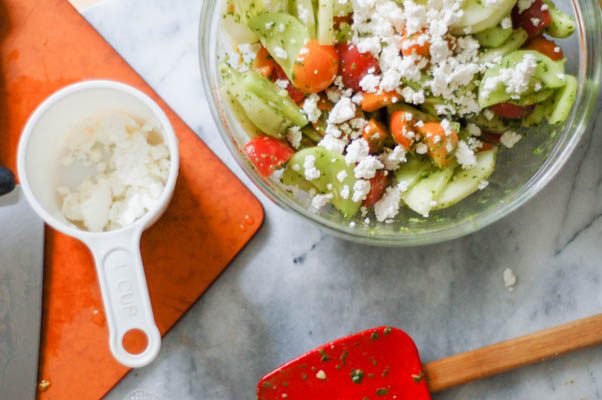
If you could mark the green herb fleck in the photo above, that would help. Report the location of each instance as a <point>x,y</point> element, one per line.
<point>382,391</point>
<point>419,377</point>
<point>388,330</point>
<point>324,357</point>
<point>374,335</point>
<point>343,357</point>
<point>357,375</point>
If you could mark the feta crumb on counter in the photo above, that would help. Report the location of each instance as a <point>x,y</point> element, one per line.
<point>510,280</point>
<point>132,167</point>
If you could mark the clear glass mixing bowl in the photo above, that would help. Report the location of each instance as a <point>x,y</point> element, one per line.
<point>520,173</point>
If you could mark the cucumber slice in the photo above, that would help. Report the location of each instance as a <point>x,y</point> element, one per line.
<point>479,16</point>
<point>494,36</point>
<point>515,42</point>
<point>466,182</point>
<point>255,83</point>
<point>535,97</point>
<point>411,172</point>
<point>422,198</point>
<point>495,124</point>
<point>564,101</point>
<point>265,118</point>
<point>326,34</point>
<point>563,25</point>
<point>342,9</point>
<point>550,73</point>
<point>330,165</point>
<point>304,11</point>
<point>536,117</point>
<point>283,35</point>
<point>291,178</point>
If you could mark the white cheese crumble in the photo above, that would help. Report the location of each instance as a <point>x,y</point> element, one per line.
<point>361,189</point>
<point>510,280</point>
<point>393,159</point>
<point>310,108</point>
<point>366,169</point>
<point>357,151</point>
<point>510,138</point>
<point>465,156</point>
<point>506,23</point>
<point>280,53</point>
<point>388,206</point>
<point>132,166</point>
<point>333,144</point>
<point>343,111</point>
<point>341,176</point>
<point>309,165</point>
<point>294,136</point>
<point>319,201</point>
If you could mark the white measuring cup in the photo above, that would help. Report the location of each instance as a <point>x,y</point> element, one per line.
<point>116,253</point>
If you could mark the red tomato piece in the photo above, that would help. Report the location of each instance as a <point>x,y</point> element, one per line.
<point>268,154</point>
<point>355,66</point>
<point>295,94</point>
<point>316,67</point>
<point>511,111</point>
<point>533,20</point>
<point>491,137</point>
<point>264,63</point>
<point>546,47</point>
<point>378,184</point>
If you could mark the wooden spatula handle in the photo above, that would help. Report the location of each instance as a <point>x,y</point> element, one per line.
<point>498,358</point>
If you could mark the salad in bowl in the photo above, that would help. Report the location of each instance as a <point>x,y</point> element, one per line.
<point>375,107</point>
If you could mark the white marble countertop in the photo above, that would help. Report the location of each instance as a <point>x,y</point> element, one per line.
<point>294,288</point>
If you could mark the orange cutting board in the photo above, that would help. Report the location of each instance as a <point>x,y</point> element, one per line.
<point>46,45</point>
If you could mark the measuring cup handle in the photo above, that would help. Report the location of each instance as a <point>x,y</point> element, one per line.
<point>125,295</point>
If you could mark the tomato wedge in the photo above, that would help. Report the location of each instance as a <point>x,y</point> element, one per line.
<point>268,154</point>
<point>264,63</point>
<point>355,66</point>
<point>376,134</point>
<point>401,123</point>
<point>546,47</point>
<point>316,67</point>
<point>511,111</point>
<point>378,184</point>
<point>280,75</point>
<point>533,20</point>
<point>440,145</point>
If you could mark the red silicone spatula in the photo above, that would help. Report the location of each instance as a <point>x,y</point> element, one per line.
<point>383,363</point>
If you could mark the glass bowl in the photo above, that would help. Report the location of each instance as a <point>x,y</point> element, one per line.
<point>520,173</point>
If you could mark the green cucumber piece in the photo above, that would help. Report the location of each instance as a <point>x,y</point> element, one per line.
<point>267,119</point>
<point>422,197</point>
<point>550,73</point>
<point>283,35</point>
<point>563,25</point>
<point>515,42</point>
<point>479,16</point>
<point>564,101</point>
<point>326,34</point>
<point>466,182</point>
<point>254,82</point>
<point>304,11</point>
<point>536,117</point>
<point>534,98</point>
<point>408,174</point>
<point>342,9</point>
<point>291,178</point>
<point>494,36</point>
<point>495,124</point>
<point>330,165</point>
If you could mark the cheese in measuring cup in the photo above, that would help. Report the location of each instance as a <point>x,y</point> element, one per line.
<point>126,165</point>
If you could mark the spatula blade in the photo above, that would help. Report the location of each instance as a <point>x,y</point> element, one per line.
<point>380,363</point>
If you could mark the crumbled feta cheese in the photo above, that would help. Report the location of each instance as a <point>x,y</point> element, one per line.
<point>320,200</point>
<point>388,206</point>
<point>483,185</point>
<point>343,111</point>
<point>465,156</point>
<point>280,53</point>
<point>473,129</point>
<point>507,23</point>
<point>516,80</point>
<point>369,83</point>
<point>132,164</point>
<point>357,151</point>
<point>282,83</point>
<point>309,165</point>
<point>421,148</point>
<point>333,144</point>
<point>294,136</point>
<point>510,138</point>
<point>361,188</point>
<point>310,107</point>
<point>535,21</point>
<point>341,176</point>
<point>366,169</point>
<point>510,280</point>
<point>392,159</point>
<point>345,192</point>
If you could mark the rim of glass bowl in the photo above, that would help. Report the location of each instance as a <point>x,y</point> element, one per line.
<point>589,21</point>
